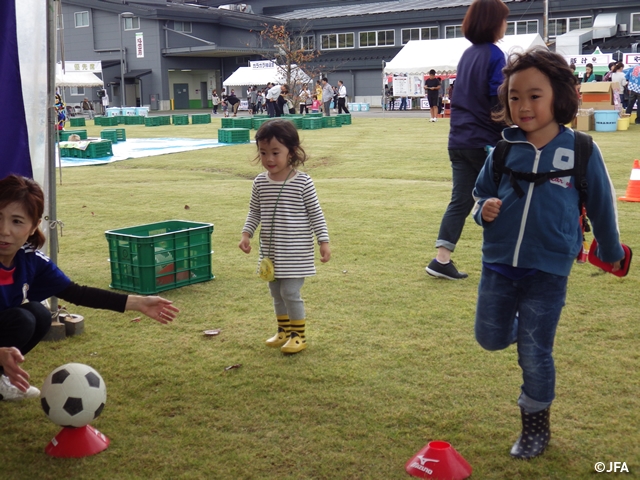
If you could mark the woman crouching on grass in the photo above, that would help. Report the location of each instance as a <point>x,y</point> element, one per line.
<point>27,277</point>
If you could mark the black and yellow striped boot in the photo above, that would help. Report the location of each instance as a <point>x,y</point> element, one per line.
<point>284,330</point>
<point>297,342</point>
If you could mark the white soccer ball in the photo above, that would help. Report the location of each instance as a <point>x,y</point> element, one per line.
<point>73,395</point>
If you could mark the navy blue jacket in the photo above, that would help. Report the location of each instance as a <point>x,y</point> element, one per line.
<point>541,230</point>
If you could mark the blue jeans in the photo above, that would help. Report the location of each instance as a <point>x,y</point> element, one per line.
<point>537,300</point>
<point>466,165</point>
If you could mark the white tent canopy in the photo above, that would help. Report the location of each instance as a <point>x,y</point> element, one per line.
<point>245,76</point>
<point>443,55</point>
<point>76,79</point>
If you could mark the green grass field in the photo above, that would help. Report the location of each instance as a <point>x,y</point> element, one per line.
<point>392,361</point>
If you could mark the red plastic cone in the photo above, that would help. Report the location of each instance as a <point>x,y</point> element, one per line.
<point>77,442</point>
<point>633,188</point>
<point>438,460</point>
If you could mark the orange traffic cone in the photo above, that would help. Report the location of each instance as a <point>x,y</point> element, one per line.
<point>438,460</point>
<point>633,188</point>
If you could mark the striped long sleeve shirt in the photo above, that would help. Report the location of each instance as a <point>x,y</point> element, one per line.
<point>287,237</point>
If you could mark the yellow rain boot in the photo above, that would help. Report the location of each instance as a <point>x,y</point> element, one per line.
<point>297,342</point>
<point>284,330</point>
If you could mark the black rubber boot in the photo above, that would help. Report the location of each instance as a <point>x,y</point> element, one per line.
<point>535,435</point>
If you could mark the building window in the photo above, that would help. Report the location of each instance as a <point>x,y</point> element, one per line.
<point>184,27</point>
<point>635,23</point>
<point>305,42</point>
<point>77,91</point>
<point>379,38</point>
<point>333,41</point>
<point>424,33</point>
<point>522,28</point>
<point>82,19</point>
<point>132,23</point>
<point>453,31</point>
<point>560,26</point>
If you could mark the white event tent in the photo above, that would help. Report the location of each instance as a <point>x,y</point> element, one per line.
<point>76,79</point>
<point>247,76</point>
<point>442,55</point>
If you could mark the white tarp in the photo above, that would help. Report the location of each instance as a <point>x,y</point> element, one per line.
<point>443,55</point>
<point>247,76</point>
<point>76,79</point>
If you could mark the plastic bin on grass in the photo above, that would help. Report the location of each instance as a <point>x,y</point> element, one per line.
<point>95,149</point>
<point>233,135</point>
<point>151,121</point>
<point>312,123</point>
<point>148,259</point>
<point>331,122</point>
<point>65,134</point>
<point>180,119</point>
<point>344,118</point>
<point>245,122</point>
<point>77,122</point>
<point>606,120</point>
<point>257,122</point>
<point>198,119</point>
<point>109,134</point>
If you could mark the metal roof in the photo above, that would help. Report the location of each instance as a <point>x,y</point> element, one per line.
<point>371,9</point>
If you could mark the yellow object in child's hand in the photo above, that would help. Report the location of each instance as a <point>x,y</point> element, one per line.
<point>267,272</point>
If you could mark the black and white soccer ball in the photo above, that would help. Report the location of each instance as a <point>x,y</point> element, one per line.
<point>73,395</point>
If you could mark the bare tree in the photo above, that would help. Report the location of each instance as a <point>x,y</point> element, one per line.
<point>294,55</point>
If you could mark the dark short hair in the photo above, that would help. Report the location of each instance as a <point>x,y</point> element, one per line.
<point>285,132</point>
<point>27,193</point>
<point>432,72</point>
<point>324,79</point>
<point>483,21</point>
<point>555,68</point>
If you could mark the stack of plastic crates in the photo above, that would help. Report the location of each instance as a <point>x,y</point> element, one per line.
<point>151,258</point>
<point>226,122</point>
<point>312,123</point>
<point>233,135</point>
<point>96,149</point>
<point>134,120</point>
<point>77,122</point>
<point>201,118</point>
<point>151,121</point>
<point>109,121</point>
<point>120,119</point>
<point>344,118</point>
<point>257,122</point>
<point>296,119</point>
<point>314,115</point>
<point>98,120</point>
<point>331,122</point>
<point>109,134</point>
<point>245,122</point>
<point>65,134</point>
<point>180,119</point>
<point>165,119</point>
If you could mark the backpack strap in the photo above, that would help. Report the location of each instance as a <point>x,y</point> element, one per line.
<point>583,149</point>
<point>499,154</point>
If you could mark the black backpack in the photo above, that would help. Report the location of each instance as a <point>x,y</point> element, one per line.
<point>582,148</point>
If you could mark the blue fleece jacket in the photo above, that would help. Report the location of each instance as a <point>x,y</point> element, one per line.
<point>541,230</point>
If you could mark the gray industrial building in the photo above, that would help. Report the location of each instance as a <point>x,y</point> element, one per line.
<point>176,51</point>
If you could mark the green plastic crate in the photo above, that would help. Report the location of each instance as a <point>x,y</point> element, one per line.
<point>296,119</point>
<point>98,120</point>
<point>201,118</point>
<point>77,122</point>
<point>245,122</point>
<point>312,123</point>
<point>148,259</point>
<point>344,118</point>
<point>331,122</point>
<point>120,119</point>
<point>314,115</point>
<point>257,122</point>
<point>233,135</point>
<point>95,149</point>
<point>226,122</point>
<point>109,134</point>
<point>134,120</point>
<point>109,121</point>
<point>180,119</point>
<point>151,121</point>
<point>260,115</point>
<point>65,134</point>
<point>165,119</point>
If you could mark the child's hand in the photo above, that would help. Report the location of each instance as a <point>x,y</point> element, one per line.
<point>325,252</point>
<point>245,243</point>
<point>491,209</point>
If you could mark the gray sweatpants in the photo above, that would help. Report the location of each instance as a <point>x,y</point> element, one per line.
<point>286,297</point>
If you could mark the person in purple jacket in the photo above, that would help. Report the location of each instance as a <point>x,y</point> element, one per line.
<point>28,277</point>
<point>479,75</point>
<point>532,233</point>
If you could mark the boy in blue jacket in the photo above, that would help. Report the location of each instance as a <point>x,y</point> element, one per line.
<point>532,234</point>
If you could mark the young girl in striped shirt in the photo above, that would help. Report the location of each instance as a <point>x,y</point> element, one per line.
<point>284,202</point>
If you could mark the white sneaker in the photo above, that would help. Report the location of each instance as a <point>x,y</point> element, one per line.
<point>9,392</point>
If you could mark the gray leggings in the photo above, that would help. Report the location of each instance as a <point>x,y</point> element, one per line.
<point>286,297</point>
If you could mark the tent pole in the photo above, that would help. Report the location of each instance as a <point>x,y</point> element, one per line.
<point>384,100</point>
<point>50,162</point>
